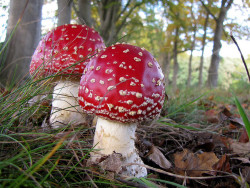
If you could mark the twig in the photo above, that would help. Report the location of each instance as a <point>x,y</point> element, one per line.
<point>242,57</point>
<point>176,175</point>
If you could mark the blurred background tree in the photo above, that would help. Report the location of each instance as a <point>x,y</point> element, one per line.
<point>23,35</point>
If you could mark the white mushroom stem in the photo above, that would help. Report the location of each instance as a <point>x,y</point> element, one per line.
<point>118,137</point>
<point>65,108</point>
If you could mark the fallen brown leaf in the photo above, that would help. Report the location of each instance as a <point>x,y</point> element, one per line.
<point>242,159</point>
<point>212,116</point>
<point>244,136</point>
<point>236,120</point>
<point>232,126</point>
<point>211,97</point>
<point>226,112</point>
<point>156,156</point>
<point>240,148</point>
<point>191,164</point>
<point>112,163</point>
<point>222,165</point>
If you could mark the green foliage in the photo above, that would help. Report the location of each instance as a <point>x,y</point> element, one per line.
<point>243,116</point>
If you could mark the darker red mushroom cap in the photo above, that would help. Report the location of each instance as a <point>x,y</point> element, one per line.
<point>123,83</point>
<point>65,50</point>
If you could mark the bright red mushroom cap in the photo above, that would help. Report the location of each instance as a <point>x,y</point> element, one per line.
<point>123,83</point>
<point>65,46</point>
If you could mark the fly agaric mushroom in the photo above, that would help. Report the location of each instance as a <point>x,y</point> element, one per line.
<point>64,53</point>
<point>123,86</point>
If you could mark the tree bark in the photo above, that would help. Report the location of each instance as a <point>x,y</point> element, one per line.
<point>64,12</point>
<point>84,12</point>
<point>191,58</point>
<point>110,11</point>
<point>166,57</point>
<point>202,51</point>
<point>176,64</point>
<point>24,40</point>
<point>212,80</point>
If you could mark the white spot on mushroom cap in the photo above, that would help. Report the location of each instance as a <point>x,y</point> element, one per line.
<point>137,59</point>
<point>132,113</point>
<point>123,92</point>
<point>126,51</point>
<point>122,79</point>
<point>158,82</point>
<point>121,109</point>
<point>86,90</point>
<point>103,56</point>
<point>110,88</point>
<point>150,64</point>
<point>129,102</point>
<point>110,106</point>
<point>108,71</point>
<point>138,95</point>
<point>132,84</point>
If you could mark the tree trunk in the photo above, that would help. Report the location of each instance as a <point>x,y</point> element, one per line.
<point>202,51</point>
<point>108,12</point>
<point>24,40</point>
<point>176,65</point>
<point>64,12</point>
<point>112,11</point>
<point>212,80</point>
<point>84,12</point>
<point>191,58</point>
<point>166,57</point>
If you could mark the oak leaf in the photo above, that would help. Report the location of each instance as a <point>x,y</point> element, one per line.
<point>192,164</point>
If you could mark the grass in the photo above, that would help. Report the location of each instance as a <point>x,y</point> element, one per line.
<point>243,116</point>
<point>30,157</point>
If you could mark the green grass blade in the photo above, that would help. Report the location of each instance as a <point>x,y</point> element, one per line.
<point>25,149</point>
<point>73,167</point>
<point>38,164</point>
<point>148,183</point>
<point>167,182</point>
<point>243,116</point>
<point>187,104</point>
<point>51,170</point>
<point>187,127</point>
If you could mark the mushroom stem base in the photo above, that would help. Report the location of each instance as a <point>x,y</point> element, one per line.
<point>65,108</point>
<point>118,137</point>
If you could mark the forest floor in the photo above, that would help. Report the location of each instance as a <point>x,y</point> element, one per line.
<point>199,141</point>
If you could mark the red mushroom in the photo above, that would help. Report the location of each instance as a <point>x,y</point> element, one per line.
<point>63,54</point>
<point>123,86</point>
